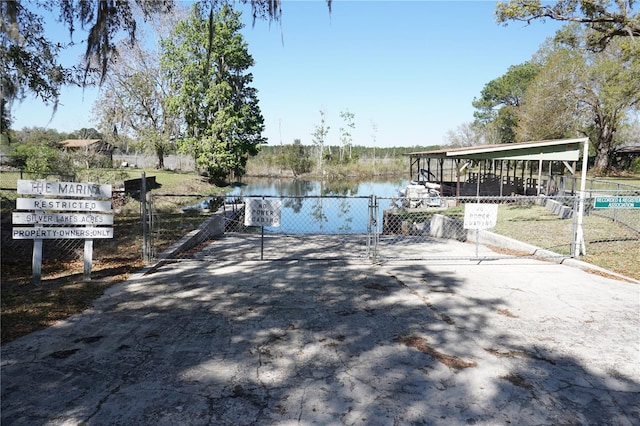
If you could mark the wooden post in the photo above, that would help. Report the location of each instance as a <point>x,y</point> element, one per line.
<point>143,200</point>
<point>36,259</point>
<point>88,256</point>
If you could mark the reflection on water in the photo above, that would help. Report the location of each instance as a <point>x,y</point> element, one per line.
<point>304,188</point>
<point>336,207</point>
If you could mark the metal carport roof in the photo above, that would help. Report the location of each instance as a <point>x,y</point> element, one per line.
<point>550,150</point>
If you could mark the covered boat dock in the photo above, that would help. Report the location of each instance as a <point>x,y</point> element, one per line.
<point>524,168</point>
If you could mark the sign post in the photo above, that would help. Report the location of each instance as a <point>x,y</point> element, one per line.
<point>261,212</point>
<point>80,197</point>
<point>480,216</point>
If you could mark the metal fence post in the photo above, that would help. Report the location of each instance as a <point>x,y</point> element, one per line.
<point>143,201</point>
<point>372,241</point>
<point>369,227</point>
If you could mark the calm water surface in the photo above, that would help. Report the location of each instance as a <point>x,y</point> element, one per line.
<point>336,207</point>
<point>303,188</point>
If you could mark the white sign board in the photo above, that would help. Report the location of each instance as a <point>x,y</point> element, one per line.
<point>32,233</point>
<point>68,204</point>
<point>259,212</point>
<point>68,189</point>
<point>480,216</point>
<point>80,197</point>
<point>62,219</point>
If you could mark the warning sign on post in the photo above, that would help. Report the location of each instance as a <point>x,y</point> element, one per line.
<point>262,212</point>
<point>480,216</point>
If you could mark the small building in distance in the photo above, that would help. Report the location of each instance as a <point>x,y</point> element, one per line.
<point>625,155</point>
<point>94,150</point>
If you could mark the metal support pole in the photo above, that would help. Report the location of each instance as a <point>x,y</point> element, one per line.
<point>579,246</point>
<point>262,243</point>
<point>262,240</point>
<point>376,235</point>
<point>477,242</point>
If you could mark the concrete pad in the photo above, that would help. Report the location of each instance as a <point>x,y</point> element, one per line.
<point>227,339</point>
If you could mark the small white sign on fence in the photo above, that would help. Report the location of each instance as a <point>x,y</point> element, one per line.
<point>259,212</point>
<point>480,216</point>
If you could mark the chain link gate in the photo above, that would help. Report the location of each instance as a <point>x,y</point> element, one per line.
<point>311,227</point>
<point>393,228</point>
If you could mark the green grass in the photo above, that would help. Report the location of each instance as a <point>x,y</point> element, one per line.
<point>608,244</point>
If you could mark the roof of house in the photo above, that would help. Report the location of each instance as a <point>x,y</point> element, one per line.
<point>633,149</point>
<point>84,143</point>
<point>79,143</point>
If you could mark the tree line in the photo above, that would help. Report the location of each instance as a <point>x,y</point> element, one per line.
<point>567,90</point>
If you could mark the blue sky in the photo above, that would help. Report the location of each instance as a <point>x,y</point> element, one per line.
<point>408,70</point>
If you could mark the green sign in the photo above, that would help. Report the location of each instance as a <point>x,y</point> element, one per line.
<point>617,203</point>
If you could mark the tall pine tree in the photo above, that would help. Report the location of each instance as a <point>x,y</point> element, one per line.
<point>223,122</point>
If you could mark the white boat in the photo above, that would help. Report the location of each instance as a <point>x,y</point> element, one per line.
<point>425,194</point>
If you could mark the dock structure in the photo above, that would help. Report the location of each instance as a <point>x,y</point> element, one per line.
<point>524,168</point>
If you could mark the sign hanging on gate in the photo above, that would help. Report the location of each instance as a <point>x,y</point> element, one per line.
<point>480,216</point>
<point>259,212</point>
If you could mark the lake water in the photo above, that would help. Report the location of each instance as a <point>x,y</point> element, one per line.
<point>315,207</point>
<point>304,188</point>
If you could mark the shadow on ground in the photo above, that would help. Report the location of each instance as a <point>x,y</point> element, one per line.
<point>218,341</point>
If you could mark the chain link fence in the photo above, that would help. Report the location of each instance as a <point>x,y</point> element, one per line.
<point>172,218</point>
<point>173,226</point>
<point>321,225</point>
<point>539,226</point>
<point>525,227</point>
<point>391,228</point>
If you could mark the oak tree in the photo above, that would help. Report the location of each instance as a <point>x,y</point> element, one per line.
<point>581,91</point>
<point>500,99</point>
<point>606,19</point>
<point>133,100</point>
<point>29,58</point>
